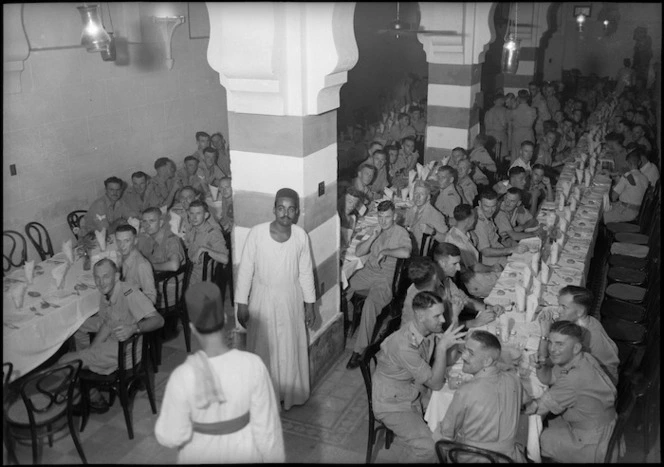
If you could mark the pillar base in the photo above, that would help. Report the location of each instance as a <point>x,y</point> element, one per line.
<point>325,350</point>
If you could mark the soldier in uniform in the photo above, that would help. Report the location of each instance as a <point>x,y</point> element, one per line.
<point>466,184</point>
<point>123,311</point>
<point>185,197</point>
<point>379,161</point>
<point>163,187</point>
<point>192,175</point>
<point>627,194</point>
<point>134,196</point>
<point>517,178</point>
<point>203,236</point>
<point>495,125</point>
<point>582,396</point>
<point>449,197</point>
<point>423,217</point>
<point>403,373</point>
<point>134,268</point>
<point>106,212</point>
<point>538,101</point>
<point>526,151</point>
<point>212,174</point>
<point>218,143</point>
<point>512,219</point>
<point>202,142</point>
<point>486,232</point>
<point>521,121</point>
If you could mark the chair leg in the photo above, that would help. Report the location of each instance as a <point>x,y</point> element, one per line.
<point>186,331</point>
<point>150,391</point>
<point>50,435</point>
<point>85,405</point>
<point>36,448</point>
<point>74,436</point>
<point>370,440</point>
<point>124,401</point>
<point>389,437</point>
<point>9,445</point>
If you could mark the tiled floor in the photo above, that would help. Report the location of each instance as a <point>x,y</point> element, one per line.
<point>330,428</point>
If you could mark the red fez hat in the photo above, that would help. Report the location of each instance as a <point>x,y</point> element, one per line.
<point>205,308</point>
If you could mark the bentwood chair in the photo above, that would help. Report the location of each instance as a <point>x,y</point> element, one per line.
<point>226,273</point>
<point>7,369</point>
<point>375,426</point>
<point>18,250</point>
<point>74,219</point>
<point>123,382</point>
<point>625,402</point>
<point>40,239</point>
<point>209,268</point>
<point>46,407</point>
<point>172,305</point>
<point>448,452</point>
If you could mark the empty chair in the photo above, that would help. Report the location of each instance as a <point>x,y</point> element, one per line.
<point>14,250</point>
<point>74,219</point>
<point>43,409</point>
<point>40,239</point>
<point>451,452</point>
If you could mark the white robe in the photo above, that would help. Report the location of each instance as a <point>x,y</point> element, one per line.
<point>247,387</point>
<point>280,277</point>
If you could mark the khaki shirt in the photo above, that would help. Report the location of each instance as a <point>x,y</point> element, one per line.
<point>395,237</point>
<point>380,181</point>
<point>469,254</point>
<point>650,171</point>
<point>211,176</point>
<point>426,215</point>
<point>134,203</point>
<point>602,347</point>
<point>632,194</point>
<point>196,181</point>
<point>447,200</point>
<point>137,270</point>
<point>521,163</point>
<point>396,134</point>
<point>468,188</point>
<point>207,235</point>
<point>157,191</point>
<point>487,237</point>
<point>102,213</point>
<point>163,246</point>
<point>402,368</point>
<point>505,222</point>
<point>495,122</point>
<point>483,159</point>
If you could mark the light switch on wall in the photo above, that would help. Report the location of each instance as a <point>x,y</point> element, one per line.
<point>12,169</point>
<point>321,188</point>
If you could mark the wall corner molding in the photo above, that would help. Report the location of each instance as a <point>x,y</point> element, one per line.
<point>15,48</point>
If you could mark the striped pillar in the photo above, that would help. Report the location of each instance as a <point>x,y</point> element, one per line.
<point>525,73</point>
<point>270,152</point>
<point>452,116</point>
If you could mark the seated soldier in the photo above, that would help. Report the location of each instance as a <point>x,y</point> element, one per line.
<point>627,194</point>
<point>226,197</point>
<point>484,411</point>
<point>518,178</point>
<point>478,278</point>
<point>135,196</point>
<point>639,137</point>
<point>186,195</point>
<point>134,268</point>
<point>108,211</point>
<point>580,393</point>
<point>409,153</point>
<point>526,152</point>
<point>540,188</point>
<point>574,304</point>
<point>403,375</point>
<point>481,156</point>
<point>212,174</point>
<point>546,148</point>
<point>466,186</point>
<point>422,217</point>
<point>398,167</point>
<point>202,142</point>
<point>646,167</point>
<point>379,161</point>
<point>218,142</point>
<point>192,175</point>
<point>123,312</point>
<point>362,182</point>
<point>162,248</point>
<point>486,232</point>
<point>401,129</point>
<point>513,219</point>
<point>387,242</point>
<point>203,236</point>
<point>348,215</point>
<point>449,196</point>
<point>616,152</point>
<point>163,187</point>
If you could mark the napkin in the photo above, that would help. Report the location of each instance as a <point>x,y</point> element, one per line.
<point>525,277</point>
<point>101,238</point>
<point>425,172</point>
<point>59,272</point>
<point>562,225</point>
<point>584,158</point>
<point>561,240</point>
<point>175,222</point>
<point>534,431</point>
<point>535,262</point>
<point>164,209</point>
<point>389,193</point>
<point>520,293</point>
<point>572,204</point>
<point>362,209</point>
<point>551,219</point>
<point>576,193</point>
<point>17,292</point>
<point>544,273</point>
<point>531,306</point>
<point>214,191</point>
<point>561,202</point>
<point>135,223</point>
<point>567,185</point>
<point>29,269</point>
<point>504,323</point>
<point>537,287</point>
<point>404,193</point>
<point>553,259</point>
<point>607,202</point>
<point>579,175</point>
<point>567,214</point>
<point>68,251</point>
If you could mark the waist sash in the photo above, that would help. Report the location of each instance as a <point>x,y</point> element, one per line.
<point>225,427</point>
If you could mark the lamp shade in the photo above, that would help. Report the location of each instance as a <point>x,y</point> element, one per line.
<point>510,59</point>
<point>94,36</point>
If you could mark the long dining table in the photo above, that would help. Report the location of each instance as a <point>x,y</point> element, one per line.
<point>48,316</point>
<point>521,338</point>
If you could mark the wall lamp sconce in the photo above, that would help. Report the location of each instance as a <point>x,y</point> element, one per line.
<point>94,36</point>
<point>167,25</point>
<point>580,21</point>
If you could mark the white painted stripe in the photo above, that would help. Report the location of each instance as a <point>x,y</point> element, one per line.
<point>266,173</point>
<point>325,239</point>
<point>318,167</point>
<point>448,138</point>
<point>449,95</point>
<point>329,311</point>
<point>526,68</point>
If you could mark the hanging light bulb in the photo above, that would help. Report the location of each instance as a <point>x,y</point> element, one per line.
<point>510,58</point>
<point>580,20</point>
<point>94,36</point>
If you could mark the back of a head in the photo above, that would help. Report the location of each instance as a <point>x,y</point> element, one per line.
<point>580,295</point>
<point>205,307</point>
<point>425,300</point>
<point>162,161</point>
<point>489,342</point>
<point>445,250</point>
<point>462,212</point>
<point>421,270</point>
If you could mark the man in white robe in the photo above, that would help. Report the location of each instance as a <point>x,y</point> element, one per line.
<point>219,406</point>
<point>276,266</point>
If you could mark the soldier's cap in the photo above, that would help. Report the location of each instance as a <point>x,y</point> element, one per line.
<point>205,308</point>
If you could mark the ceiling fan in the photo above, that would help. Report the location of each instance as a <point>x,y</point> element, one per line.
<point>398,27</point>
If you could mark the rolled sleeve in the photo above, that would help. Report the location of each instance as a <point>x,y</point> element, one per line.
<point>559,397</point>
<point>413,363</point>
<point>140,305</point>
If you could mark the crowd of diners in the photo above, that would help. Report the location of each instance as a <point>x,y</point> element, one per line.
<point>477,203</point>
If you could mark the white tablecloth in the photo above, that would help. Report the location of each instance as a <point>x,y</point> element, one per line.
<point>30,339</point>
